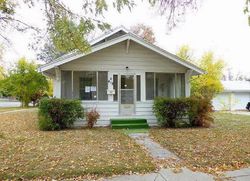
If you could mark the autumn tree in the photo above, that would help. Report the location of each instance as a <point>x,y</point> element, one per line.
<point>246,10</point>
<point>2,70</point>
<point>69,29</point>
<point>48,52</point>
<point>25,83</point>
<point>185,53</point>
<point>145,32</point>
<point>209,84</point>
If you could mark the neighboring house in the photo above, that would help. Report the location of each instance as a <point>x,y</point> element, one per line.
<point>235,96</point>
<point>120,76</point>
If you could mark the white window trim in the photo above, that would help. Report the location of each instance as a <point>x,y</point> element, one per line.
<point>175,75</point>
<point>97,90</point>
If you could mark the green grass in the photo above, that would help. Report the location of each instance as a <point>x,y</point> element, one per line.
<point>28,153</point>
<point>225,146</point>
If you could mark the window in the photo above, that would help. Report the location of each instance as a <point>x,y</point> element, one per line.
<point>150,86</point>
<point>164,85</point>
<point>66,84</point>
<point>87,85</point>
<point>127,89</point>
<point>138,88</point>
<point>115,87</point>
<point>102,85</point>
<point>180,85</point>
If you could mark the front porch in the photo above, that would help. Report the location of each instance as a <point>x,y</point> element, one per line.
<point>121,95</point>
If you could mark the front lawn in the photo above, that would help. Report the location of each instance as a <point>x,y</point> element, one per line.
<point>226,146</point>
<point>28,153</point>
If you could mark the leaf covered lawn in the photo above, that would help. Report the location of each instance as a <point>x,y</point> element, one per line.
<point>29,153</point>
<point>226,146</point>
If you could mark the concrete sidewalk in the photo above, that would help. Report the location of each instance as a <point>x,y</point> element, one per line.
<point>166,175</point>
<point>154,149</point>
<point>157,152</point>
<point>184,175</point>
<point>247,113</point>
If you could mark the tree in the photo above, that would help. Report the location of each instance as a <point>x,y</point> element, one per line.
<point>246,10</point>
<point>68,29</point>
<point>25,83</point>
<point>208,84</point>
<point>48,52</point>
<point>145,32</point>
<point>50,88</point>
<point>185,53</point>
<point>2,71</point>
<point>231,76</point>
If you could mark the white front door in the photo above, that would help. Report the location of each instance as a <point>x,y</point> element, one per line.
<point>127,95</point>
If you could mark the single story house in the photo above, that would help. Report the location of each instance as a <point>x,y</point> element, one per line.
<point>235,96</point>
<point>121,76</point>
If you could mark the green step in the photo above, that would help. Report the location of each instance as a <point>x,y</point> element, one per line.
<point>128,121</point>
<point>130,126</point>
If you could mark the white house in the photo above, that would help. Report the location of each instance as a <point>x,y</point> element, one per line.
<point>235,96</point>
<point>120,76</point>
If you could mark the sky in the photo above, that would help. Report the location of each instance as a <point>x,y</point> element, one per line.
<point>218,26</point>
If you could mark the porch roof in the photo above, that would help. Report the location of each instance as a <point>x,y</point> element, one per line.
<point>97,45</point>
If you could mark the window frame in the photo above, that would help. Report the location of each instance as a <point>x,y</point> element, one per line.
<point>154,79</point>
<point>72,85</point>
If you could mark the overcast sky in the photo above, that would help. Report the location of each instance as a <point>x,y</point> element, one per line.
<point>218,26</point>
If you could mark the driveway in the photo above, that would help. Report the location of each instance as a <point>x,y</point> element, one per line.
<point>241,112</point>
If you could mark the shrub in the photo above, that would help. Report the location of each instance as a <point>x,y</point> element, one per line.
<point>200,112</point>
<point>168,110</point>
<point>46,124</point>
<point>57,114</point>
<point>183,112</point>
<point>92,117</point>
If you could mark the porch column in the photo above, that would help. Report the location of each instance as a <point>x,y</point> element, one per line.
<point>110,86</point>
<point>175,86</point>
<point>143,87</point>
<point>57,83</point>
<point>188,74</point>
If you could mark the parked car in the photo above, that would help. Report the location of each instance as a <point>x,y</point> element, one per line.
<point>248,106</point>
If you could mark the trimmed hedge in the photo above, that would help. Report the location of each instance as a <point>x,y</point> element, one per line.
<point>57,114</point>
<point>183,112</point>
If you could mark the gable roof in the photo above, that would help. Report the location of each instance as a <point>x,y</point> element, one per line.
<point>97,45</point>
<point>108,34</point>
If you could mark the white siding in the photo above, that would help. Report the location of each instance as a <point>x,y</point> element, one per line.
<point>108,110</point>
<point>116,58</point>
<point>231,101</point>
<point>240,100</point>
<point>222,101</point>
